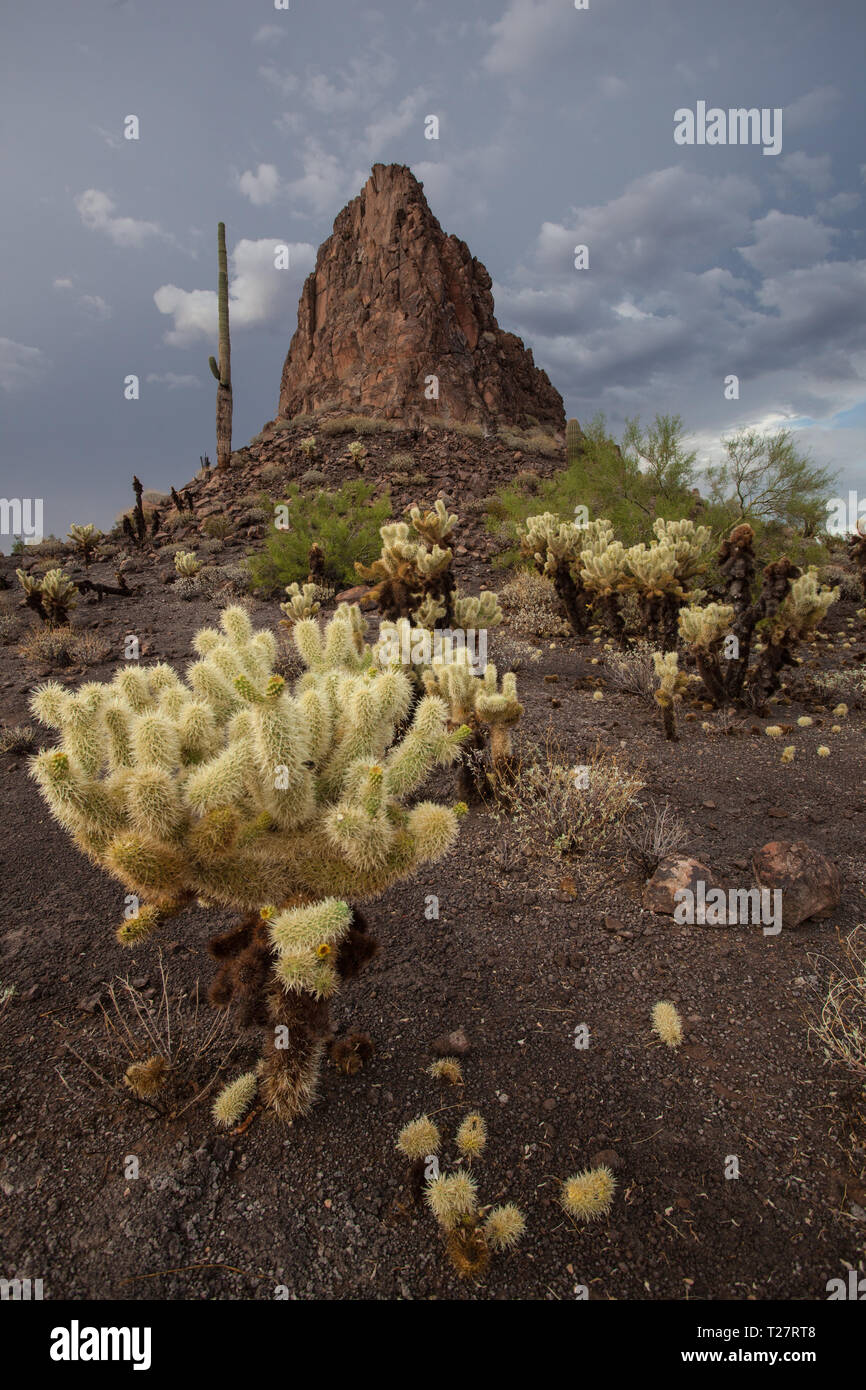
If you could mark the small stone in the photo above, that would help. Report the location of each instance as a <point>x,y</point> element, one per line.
<point>454,1044</point>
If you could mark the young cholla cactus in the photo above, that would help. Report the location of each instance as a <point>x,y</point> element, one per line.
<point>672,685</point>
<point>662,576</point>
<point>476,703</point>
<point>357,453</point>
<point>51,597</point>
<point>470,1232</point>
<point>588,1196</point>
<point>86,540</point>
<point>303,603</point>
<point>308,446</point>
<point>225,787</point>
<point>187,563</point>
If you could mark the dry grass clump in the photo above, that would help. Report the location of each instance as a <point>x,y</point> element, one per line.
<point>63,646</point>
<point>633,672</point>
<point>532,605</point>
<point>840,1025</point>
<point>17,738</point>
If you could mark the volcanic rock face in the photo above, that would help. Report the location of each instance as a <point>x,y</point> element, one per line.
<point>393,302</point>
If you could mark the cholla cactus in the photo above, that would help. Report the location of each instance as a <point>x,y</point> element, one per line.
<point>227,788</point>
<point>187,563</point>
<point>51,597</point>
<point>479,704</point>
<point>357,453</point>
<point>308,446</point>
<point>555,546</point>
<point>86,540</point>
<point>303,603</point>
<point>470,1232</point>
<point>412,577</point>
<point>672,686</point>
<point>787,610</point>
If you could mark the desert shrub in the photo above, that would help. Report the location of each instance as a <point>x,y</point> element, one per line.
<point>632,672</point>
<point>271,474</point>
<point>836,685</point>
<point>10,628</point>
<point>217,527</point>
<point>226,788</point>
<point>531,442</point>
<point>402,463</point>
<point>578,807</point>
<point>313,478</point>
<point>532,606</point>
<point>358,424</point>
<point>652,832</point>
<point>840,1023</point>
<point>469,429</point>
<point>345,525</point>
<point>63,646</point>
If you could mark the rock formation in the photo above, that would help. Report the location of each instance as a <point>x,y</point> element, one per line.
<point>394,302</point>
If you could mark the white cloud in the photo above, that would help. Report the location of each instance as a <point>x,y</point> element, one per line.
<point>95,306</point>
<point>839,204</point>
<point>324,185</point>
<point>269,33</point>
<point>173,380</point>
<point>812,170</point>
<point>818,105</point>
<point>20,366</point>
<point>97,211</point>
<point>612,86</point>
<point>258,293</point>
<point>783,241</point>
<point>387,127</point>
<point>527,30</point>
<point>62,283</point>
<point>261,187</point>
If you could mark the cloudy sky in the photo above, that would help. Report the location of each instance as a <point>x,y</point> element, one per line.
<point>556,128</point>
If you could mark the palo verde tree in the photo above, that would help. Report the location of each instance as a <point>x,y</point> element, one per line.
<point>226,788</point>
<point>764,478</point>
<point>222,369</point>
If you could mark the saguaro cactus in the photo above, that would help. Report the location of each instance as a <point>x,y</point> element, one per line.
<point>573,441</point>
<point>222,370</point>
<point>228,789</point>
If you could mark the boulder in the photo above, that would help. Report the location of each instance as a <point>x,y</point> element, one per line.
<point>675,873</point>
<point>810,882</point>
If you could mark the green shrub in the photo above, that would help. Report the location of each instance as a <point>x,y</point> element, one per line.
<point>217,527</point>
<point>344,524</point>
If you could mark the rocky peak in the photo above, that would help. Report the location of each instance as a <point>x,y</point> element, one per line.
<point>392,302</point>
